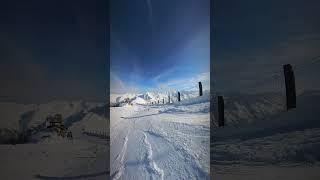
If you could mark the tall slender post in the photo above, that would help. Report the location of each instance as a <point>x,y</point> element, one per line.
<point>219,111</point>
<point>200,89</point>
<point>178,96</point>
<point>290,86</point>
<point>169,99</point>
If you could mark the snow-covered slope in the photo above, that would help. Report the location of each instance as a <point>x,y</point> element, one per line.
<point>138,100</point>
<point>243,108</point>
<point>14,116</point>
<point>11,114</point>
<point>161,141</point>
<point>116,98</point>
<point>284,144</point>
<point>239,108</point>
<point>48,156</point>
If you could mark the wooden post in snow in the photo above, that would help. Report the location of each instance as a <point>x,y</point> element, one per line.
<point>200,89</point>
<point>219,111</point>
<point>290,86</point>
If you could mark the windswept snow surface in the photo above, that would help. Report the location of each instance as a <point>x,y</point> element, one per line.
<point>166,141</point>
<point>283,146</point>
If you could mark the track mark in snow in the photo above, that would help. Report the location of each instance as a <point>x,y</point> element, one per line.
<point>152,166</point>
<point>177,153</point>
<point>120,158</point>
<point>123,150</point>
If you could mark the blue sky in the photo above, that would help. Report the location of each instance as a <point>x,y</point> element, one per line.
<point>158,43</point>
<point>58,49</point>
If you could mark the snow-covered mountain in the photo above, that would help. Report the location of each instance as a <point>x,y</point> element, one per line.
<point>15,116</point>
<point>239,108</point>
<point>250,108</point>
<point>43,147</point>
<point>247,108</point>
<point>154,96</point>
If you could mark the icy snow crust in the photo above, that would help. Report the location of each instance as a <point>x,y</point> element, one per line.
<point>169,141</point>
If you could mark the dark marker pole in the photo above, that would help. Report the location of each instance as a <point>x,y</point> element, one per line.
<point>290,86</point>
<point>200,89</point>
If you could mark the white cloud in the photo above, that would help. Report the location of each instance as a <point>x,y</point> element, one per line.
<point>164,74</point>
<point>189,83</point>
<point>117,86</point>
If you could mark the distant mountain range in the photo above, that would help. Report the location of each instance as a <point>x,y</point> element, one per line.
<point>154,96</point>
<point>239,108</point>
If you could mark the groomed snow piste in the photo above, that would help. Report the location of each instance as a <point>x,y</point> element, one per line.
<point>162,141</point>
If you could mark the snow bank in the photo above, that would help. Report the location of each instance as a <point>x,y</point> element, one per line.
<point>138,100</point>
